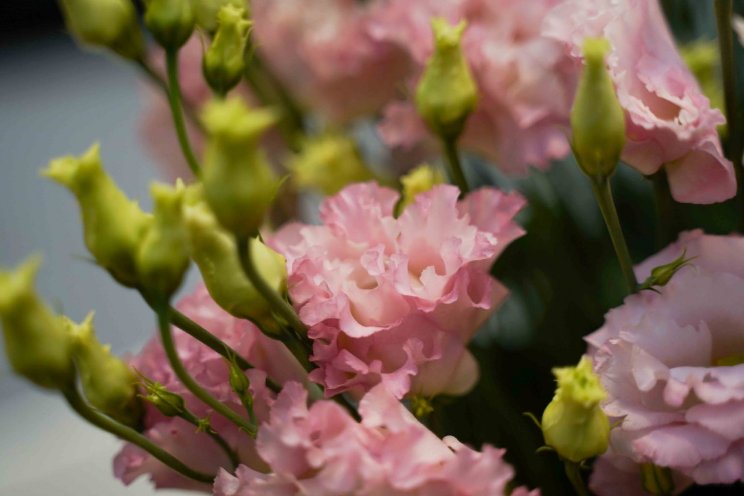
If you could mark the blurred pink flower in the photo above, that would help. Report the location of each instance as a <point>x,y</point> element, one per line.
<point>524,79</point>
<point>673,365</point>
<point>396,300</point>
<point>669,121</point>
<point>324,53</point>
<point>210,370</point>
<point>322,451</point>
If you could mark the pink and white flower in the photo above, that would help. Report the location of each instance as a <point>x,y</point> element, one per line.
<point>673,366</point>
<point>396,300</point>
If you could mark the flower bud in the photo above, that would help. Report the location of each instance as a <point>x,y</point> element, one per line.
<point>239,184</point>
<point>216,255</point>
<point>662,274</point>
<point>446,93</point>
<point>36,343</point>
<point>110,24</point>
<point>704,61</point>
<point>573,423</point>
<point>419,180</point>
<point>113,225</point>
<point>162,256</point>
<point>107,381</point>
<point>328,163</point>
<point>171,22</point>
<point>597,119</point>
<point>168,403</point>
<point>224,61</point>
<point>206,12</point>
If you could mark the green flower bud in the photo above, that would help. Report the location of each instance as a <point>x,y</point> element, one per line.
<point>171,22</point>
<point>113,225</point>
<point>419,180</point>
<point>597,119</point>
<point>224,62</point>
<point>105,23</point>
<point>107,381</point>
<point>662,274</point>
<point>447,93</point>
<point>328,163</point>
<point>704,61</point>
<point>573,424</point>
<point>215,253</point>
<point>162,257</point>
<point>239,184</point>
<point>168,403</point>
<point>206,12</point>
<point>36,343</point>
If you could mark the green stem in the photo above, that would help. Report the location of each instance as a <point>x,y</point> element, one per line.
<point>176,101</point>
<point>603,194</point>
<point>158,81</point>
<point>128,434</point>
<point>455,165</point>
<point>231,454</point>
<point>665,221</point>
<point>166,335</point>
<point>573,473</point>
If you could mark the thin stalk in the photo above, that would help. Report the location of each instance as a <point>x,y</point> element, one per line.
<point>169,346</point>
<point>75,400</point>
<point>176,101</point>
<point>573,473</point>
<point>231,454</point>
<point>455,165</point>
<point>665,224</point>
<point>603,194</point>
<point>157,80</point>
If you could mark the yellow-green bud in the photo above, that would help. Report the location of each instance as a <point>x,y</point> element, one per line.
<point>168,403</point>
<point>206,12</point>
<point>163,257</point>
<point>328,163</point>
<point>421,179</point>
<point>597,119</point>
<point>239,184</point>
<point>105,23</point>
<point>573,424</point>
<point>113,225</point>
<point>107,381</point>
<point>36,343</point>
<point>224,61</point>
<point>447,93</point>
<point>171,22</point>
<point>662,274</point>
<point>215,253</point>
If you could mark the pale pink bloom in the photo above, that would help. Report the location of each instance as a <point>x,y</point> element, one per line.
<point>669,121</point>
<point>210,370</point>
<point>322,451</point>
<point>673,365</point>
<point>396,300</point>
<point>524,80</point>
<point>324,53</point>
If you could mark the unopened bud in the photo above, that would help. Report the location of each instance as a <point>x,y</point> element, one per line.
<point>171,22</point>
<point>574,424</point>
<point>239,184</point>
<point>36,343</point>
<point>107,381</point>
<point>109,24</point>
<point>597,119</point>
<point>215,253</point>
<point>419,180</point>
<point>168,403</point>
<point>704,61</point>
<point>162,257</point>
<point>328,163</point>
<point>224,61</point>
<point>113,225</point>
<point>447,93</point>
<point>206,12</point>
<point>662,274</point>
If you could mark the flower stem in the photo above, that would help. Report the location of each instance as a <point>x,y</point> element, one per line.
<point>665,225</point>
<point>603,194</point>
<point>573,473</point>
<point>157,80</point>
<point>455,165</point>
<point>176,101</point>
<point>231,454</point>
<point>166,336</point>
<point>75,400</point>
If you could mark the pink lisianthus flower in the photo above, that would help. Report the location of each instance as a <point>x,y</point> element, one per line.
<point>324,53</point>
<point>322,451</point>
<point>396,300</point>
<point>673,365</point>
<point>525,81</point>
<point>669,121</point>
<point>210,370</point>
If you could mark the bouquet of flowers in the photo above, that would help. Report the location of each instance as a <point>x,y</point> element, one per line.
<point>362,185</point>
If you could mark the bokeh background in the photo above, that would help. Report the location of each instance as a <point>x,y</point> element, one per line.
<point>56,99</point>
